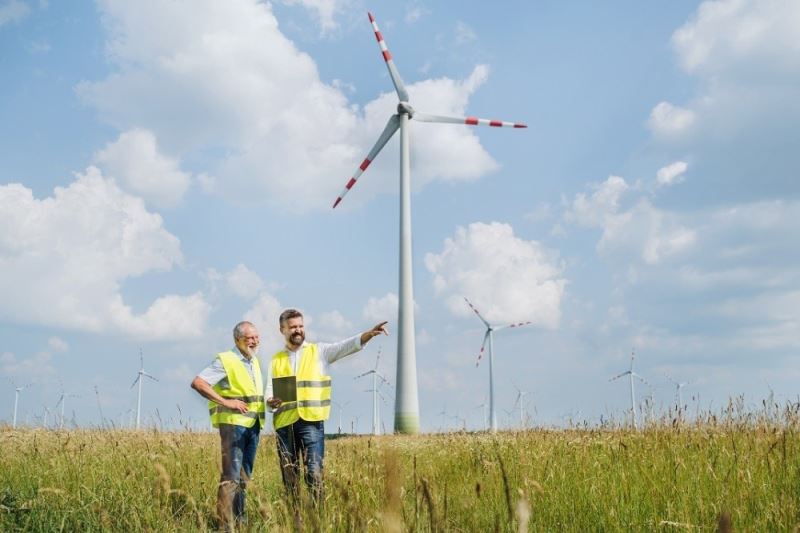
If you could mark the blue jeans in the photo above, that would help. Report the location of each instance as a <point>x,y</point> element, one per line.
<point>304,441</point>
<point>239,446</point>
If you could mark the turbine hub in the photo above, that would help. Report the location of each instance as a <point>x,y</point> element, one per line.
<point>405,108</point>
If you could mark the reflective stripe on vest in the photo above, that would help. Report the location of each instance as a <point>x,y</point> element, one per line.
<point>241,386</point>
<point>313,388</point>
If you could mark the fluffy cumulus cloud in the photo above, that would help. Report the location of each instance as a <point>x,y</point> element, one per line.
<point>244,282</point>
<point>593,210</point>
<point>671,174</point>
<point>264,314</point>
<point>507,278</point>
<point>639,233</point>
<point>219,81</point>
<point>65,257</point>
<point>135,162</point>
<point>380,309</point>
<point>741,123</point>
<point>324,10</point>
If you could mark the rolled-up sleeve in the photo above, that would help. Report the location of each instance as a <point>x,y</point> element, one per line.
<point>337,350</point>
<point>213,373</point>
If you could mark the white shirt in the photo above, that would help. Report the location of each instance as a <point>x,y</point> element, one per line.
<point>215,372</point>
<point>328,354</point>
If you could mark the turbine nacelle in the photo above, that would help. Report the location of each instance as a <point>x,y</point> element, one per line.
<point>404,108</point>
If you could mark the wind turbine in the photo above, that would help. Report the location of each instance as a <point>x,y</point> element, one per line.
<point>406,416</point>
<point>678,386</point>
<point>484,406</point>
<point>521,402</point>
<point>139,379</point>
<point>62,402</point>
<point>490,336</point>
<point>631,374</point>
<point>17,390</point>
<point>375,393</point>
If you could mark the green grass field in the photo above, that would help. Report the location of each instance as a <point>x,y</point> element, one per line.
<point>663,478</point>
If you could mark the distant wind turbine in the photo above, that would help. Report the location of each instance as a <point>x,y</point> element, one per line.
<point>678,386</point>
<point>406,416</point>
<point>484,406</point>
<point>17,390</point>
<point>489,335</point>
<point>139,380</point>
<point>62,401</point>
<point>376,425</point>
<point>521,402</point>
<point>631,374</point>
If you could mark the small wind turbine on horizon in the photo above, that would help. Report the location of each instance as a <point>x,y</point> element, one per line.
<point>521,402</point>
<point>375,393</point>
<point>678,395</point>
<point>489,335</point>
<point>62,401</point>
<point>406,418</point>
<point>631,374</point>
<point>17,390</point>
<point>139,380</point>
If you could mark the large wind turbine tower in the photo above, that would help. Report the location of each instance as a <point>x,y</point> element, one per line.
<point>406,415</point>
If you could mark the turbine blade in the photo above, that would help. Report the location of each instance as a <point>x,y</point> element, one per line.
<point>388,131</point>
<point>480,355</point>
<point>620,375</point>
<point>517,325</point>
<point>477,313</point>
<point>149,376</point>
<point>402,94</point>
<point>135,381</point>
<point>469,121</point>
<point>368,372</point>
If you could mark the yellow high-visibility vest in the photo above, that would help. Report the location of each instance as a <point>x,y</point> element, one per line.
<point>313,388</point>
<point>241,386</point>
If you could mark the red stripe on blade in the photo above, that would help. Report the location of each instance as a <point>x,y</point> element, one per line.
<point>371,18</point>
<point>364,165</point>
<point>495,123</point>
<point>350,184</point>
<point>387,56</point>
<point>337,202</point>
<point>378,36</point>
<point>520,126</point>
<point>472,121</point>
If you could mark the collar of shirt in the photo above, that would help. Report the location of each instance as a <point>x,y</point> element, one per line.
<point>244,358</point>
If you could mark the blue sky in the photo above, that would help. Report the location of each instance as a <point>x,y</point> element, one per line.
<point>168,169</point>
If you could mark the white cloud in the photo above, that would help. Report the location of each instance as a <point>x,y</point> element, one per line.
<point>667,119</point>
<point>13,11</point>
<point>671,174</point>
<point>57,344</point>
<point>264,315</point>
<point>35,367</point>
<point>135,162</point>
<point>332,325</point>
<point>507,278</point>
<point>324,10</point>
<point>414,14</point>
<point>380,309</point>
<point>591,211</point>
<point>65,257</point>
<point>244,282</point>
<point>725,34</point>
<point>211,78</point>
<point>464,33</point>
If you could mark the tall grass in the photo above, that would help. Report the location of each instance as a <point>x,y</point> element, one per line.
<point>732,469</point>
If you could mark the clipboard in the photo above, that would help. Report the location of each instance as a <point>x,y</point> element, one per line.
<point>285,388</point>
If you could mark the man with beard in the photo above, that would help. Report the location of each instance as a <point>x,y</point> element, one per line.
<point>299,422</point>
<point>233,386</point>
